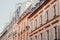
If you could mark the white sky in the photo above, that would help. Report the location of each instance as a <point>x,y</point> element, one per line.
<point>7,7</point>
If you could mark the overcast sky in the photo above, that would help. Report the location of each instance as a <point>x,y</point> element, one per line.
<point>7,8</point>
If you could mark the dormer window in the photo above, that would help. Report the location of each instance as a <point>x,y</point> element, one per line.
<point>18,9</point>
<point>37,4</point>
<point>33,9</point>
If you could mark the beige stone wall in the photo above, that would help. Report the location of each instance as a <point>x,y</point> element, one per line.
<point>51,28</point>
<point>50,10</point>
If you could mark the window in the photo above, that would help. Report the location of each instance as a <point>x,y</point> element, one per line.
<point>41,36</point>
<point>36,37</point>
<point>31,27</point>
<point>47,15</point>
<point>35,22</point>
<point>47,34</point>
<point>55,32</point>
<point>41,19</point>
<point>31,24</point>
<point>31,39</point>
<point>24,24</point>
<point>54,7</point>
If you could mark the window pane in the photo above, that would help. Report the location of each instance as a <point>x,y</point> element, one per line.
<point>47,34</point>
<point>55,28</point>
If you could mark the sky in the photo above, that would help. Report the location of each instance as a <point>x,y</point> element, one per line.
<point>7,7</point>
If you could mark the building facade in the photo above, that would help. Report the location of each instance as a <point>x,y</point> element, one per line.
<point>40,21</point>
<point>10,33</point>
<point>23,28</point>
<point>44,22</point>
